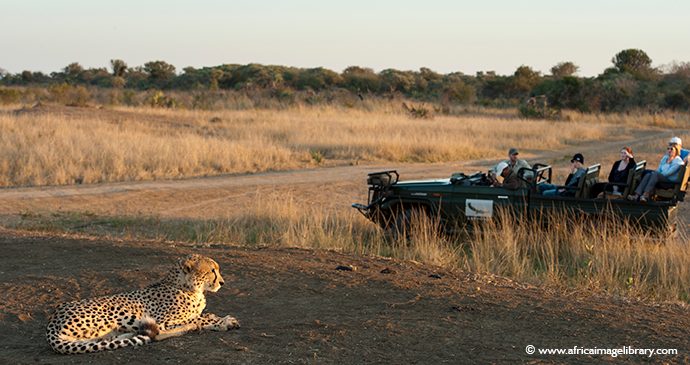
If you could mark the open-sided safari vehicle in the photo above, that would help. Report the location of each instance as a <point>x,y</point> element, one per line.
<point>460,199</point>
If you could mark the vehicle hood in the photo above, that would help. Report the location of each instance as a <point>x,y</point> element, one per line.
<point>412,184</point>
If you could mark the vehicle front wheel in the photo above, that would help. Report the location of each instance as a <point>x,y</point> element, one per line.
<point>404,221</point>
<point>400,225</point>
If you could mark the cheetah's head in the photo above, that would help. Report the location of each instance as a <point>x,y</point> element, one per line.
<point>201,273</point>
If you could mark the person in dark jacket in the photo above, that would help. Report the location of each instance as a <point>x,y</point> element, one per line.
<point>577,172</point>
<point>618,175</point>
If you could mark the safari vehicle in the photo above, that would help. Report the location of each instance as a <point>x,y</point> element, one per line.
<point>460,199</point>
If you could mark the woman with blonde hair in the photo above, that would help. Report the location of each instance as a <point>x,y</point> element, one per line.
<point>666,172</point>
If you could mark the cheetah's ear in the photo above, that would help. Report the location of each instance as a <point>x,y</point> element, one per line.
<point>187,266</point>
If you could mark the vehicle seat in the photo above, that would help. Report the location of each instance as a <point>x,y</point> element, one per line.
<point>634,178</point>
<point>585,185</point>
<point>673,191</point>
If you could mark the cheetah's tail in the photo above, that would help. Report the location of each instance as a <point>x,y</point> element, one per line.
<point>84,346</point>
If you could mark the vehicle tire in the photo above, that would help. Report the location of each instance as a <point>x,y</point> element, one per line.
<point>403,221</point>
<point>401,224</point>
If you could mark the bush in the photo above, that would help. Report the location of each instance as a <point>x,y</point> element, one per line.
<point>9,96</point>
<point>159,100</point>
<point>70,95</point>
<point>418,111</point>
<point>78,96</point>
<point>537,107</point>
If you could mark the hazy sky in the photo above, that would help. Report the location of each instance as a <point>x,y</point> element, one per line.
<point>446,36</point>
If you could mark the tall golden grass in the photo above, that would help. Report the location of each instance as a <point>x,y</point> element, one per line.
<point>606,254</point>
<point>57,146</point>
<point>603,255</point>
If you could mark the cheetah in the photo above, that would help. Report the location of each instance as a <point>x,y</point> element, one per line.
<point>168,308</point>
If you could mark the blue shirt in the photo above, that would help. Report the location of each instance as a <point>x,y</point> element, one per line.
<point>670,170</point>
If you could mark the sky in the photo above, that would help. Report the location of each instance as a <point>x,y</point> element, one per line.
<point>445,36</point>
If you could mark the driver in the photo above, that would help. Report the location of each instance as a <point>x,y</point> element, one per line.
<point>515,162</point>
<point>510,179</point>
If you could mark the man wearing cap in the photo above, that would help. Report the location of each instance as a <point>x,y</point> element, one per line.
<point>577,171</point>
<point>510,179</point>
<point>514,162</point>
<point>676,141</point>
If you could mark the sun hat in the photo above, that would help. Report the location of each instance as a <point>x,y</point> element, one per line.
<point>500,167</point>
<point>676,140</point>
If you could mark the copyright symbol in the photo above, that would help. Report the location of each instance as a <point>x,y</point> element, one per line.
<point>529,349</point>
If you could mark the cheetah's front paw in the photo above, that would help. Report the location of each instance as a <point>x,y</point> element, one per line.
<point>227,323</point>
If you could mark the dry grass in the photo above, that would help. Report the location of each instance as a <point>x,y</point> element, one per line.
<point>638,119</point>
<point>59,146</point>
<point>606,254</point>
<point>54,146</point>
<point>563,252</point>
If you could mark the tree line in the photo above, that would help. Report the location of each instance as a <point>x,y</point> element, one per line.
<point>630,83</point>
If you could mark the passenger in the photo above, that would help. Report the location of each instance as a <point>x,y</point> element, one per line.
<point>577,171</point>
<point>666,172</point>
<point>684,154</point>
<point>618,175</point>
<point>510,179</point>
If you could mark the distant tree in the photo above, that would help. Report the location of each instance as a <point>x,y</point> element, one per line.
<point>563,69</point>
<point>429,75</point>
<point>316,79</point>
<point>456,90</point>
<point>3,73</point>
<point>617,92</point>
<point>633,61</point>
<point>27,76</point>
<point>216,74</point>
<point>523,80</point>
<point>96,76</point>
<point>563,93</point>
<point>485,75</point>
<point>361,79</point>
<point>676,101</point>
<point>494,87</point>
<point>136,77</point>
<point>72,72</point>
<point>159,72</point>
<point>680,69</point>
<point>394,80</point>
<point>119,67</point>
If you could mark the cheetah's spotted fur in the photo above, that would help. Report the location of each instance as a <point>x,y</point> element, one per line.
<point>171,307</point>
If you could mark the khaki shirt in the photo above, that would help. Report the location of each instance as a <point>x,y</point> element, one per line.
<point>518,165</point>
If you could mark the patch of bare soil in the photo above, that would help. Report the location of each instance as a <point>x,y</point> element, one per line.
<point>295,307</point>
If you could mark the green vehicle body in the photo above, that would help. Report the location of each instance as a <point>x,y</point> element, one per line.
<point>459,200</point>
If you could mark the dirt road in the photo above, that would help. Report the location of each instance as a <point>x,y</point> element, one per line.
<point>219,196</point>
